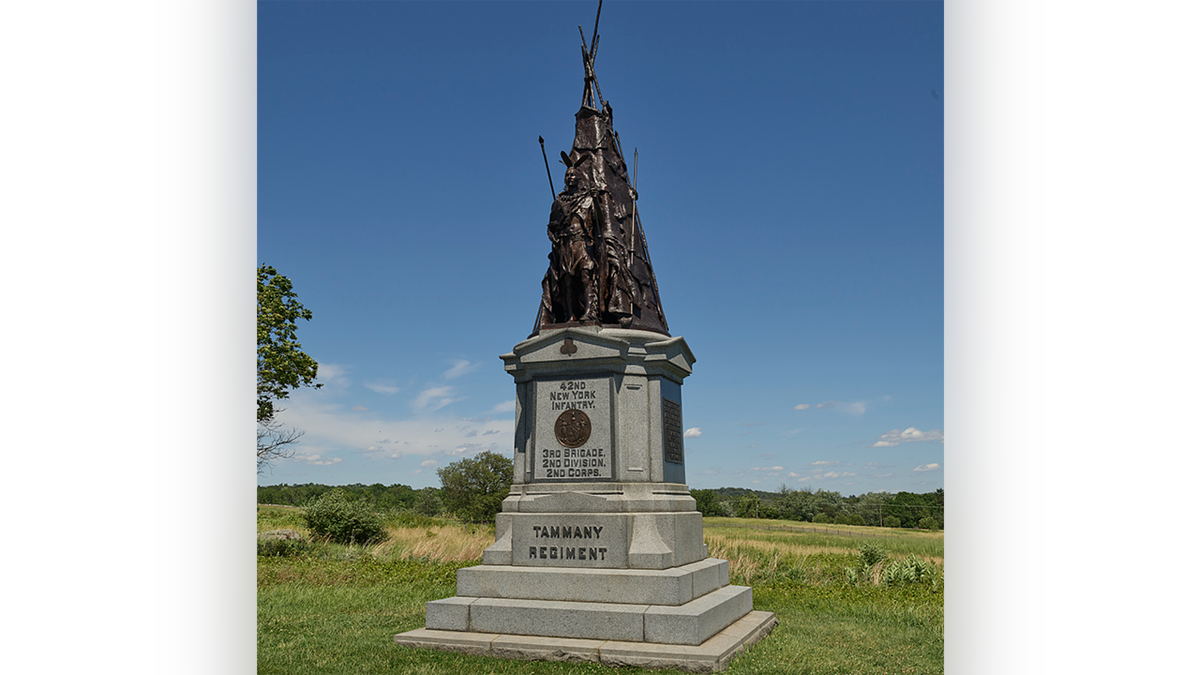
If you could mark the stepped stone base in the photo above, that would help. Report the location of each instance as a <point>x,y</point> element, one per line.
<point>674,586</point>
<point>710,656</point>
<point>690,623</point>
<point>599,553</point>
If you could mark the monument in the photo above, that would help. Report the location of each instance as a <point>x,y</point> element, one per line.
<point>599,552</point>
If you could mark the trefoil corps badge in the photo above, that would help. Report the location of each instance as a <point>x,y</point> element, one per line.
<point>573,428</point>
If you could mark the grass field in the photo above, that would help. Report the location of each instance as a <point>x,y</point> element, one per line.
<point>334,609</point>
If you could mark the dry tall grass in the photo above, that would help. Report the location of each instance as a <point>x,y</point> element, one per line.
<point>436,543</point>
<point>779,545</point>
<point>776,547</point>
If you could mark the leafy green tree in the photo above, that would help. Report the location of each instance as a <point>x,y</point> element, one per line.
<point>910,508</point>
<point>428,502</point>
<point>828,503</point>
<point>871,507</point>
<point>747,507</point>
<point>282,364</point>
<point>706,502</point>
<point>798,505</point>
<point>474,488</point>
<point>849,519</point>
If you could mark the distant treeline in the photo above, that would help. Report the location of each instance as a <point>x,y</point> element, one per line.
<point>885,509</point>
<point>379,496</point>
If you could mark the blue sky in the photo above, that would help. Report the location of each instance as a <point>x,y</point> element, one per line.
<point>791,189</point>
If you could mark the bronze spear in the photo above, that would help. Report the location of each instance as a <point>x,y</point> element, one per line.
<point>542,142</point>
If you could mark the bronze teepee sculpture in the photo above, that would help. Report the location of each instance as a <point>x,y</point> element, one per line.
<point>600,271</point>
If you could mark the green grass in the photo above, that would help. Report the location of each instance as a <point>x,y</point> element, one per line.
<point>335,611</point>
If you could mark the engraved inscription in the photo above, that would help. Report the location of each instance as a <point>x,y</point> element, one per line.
<point>574,463</point>
<point>566,548</point>
<point>573,428</point>
<point>574,437</point>
<point>672,414</point>
<point>573,395</point>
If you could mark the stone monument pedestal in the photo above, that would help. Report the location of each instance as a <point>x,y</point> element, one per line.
<point>599,552</point>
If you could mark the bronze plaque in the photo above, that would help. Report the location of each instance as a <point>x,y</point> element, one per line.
<point>573,428</point>
<point>672,431</point>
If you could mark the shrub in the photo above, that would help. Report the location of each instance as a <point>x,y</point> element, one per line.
<point>929,523</point>
<point>869,554</point>
<point>821,518</point>
<point>849,519</point>
<point>891,521</point>
<point>346,522</point>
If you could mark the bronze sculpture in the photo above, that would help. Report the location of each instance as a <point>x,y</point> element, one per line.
<point>599,272</point>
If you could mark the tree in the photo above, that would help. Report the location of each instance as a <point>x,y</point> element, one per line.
<point>798,505</point>
<point>275,441</point>
<point>428,503</point>
<point>474,488</point>
<point>706,502</point>
<point>747,506</point>
<point>282,364</point>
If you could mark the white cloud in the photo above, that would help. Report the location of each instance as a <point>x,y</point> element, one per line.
<point>330,428</point>
<point>330,371</point>
<point>506,407</point>
<point>382,387</point>
<point>429,463</point>
<point>361,408</point>
<point>909,435</point>
<point>461,367</point>
<point>694,432</point>
<point>766,468</point>
<point>929,467</point>
<point>821,473</point>
<point>315,459</point>
<point>848,407</point>
<point>435,398</point>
